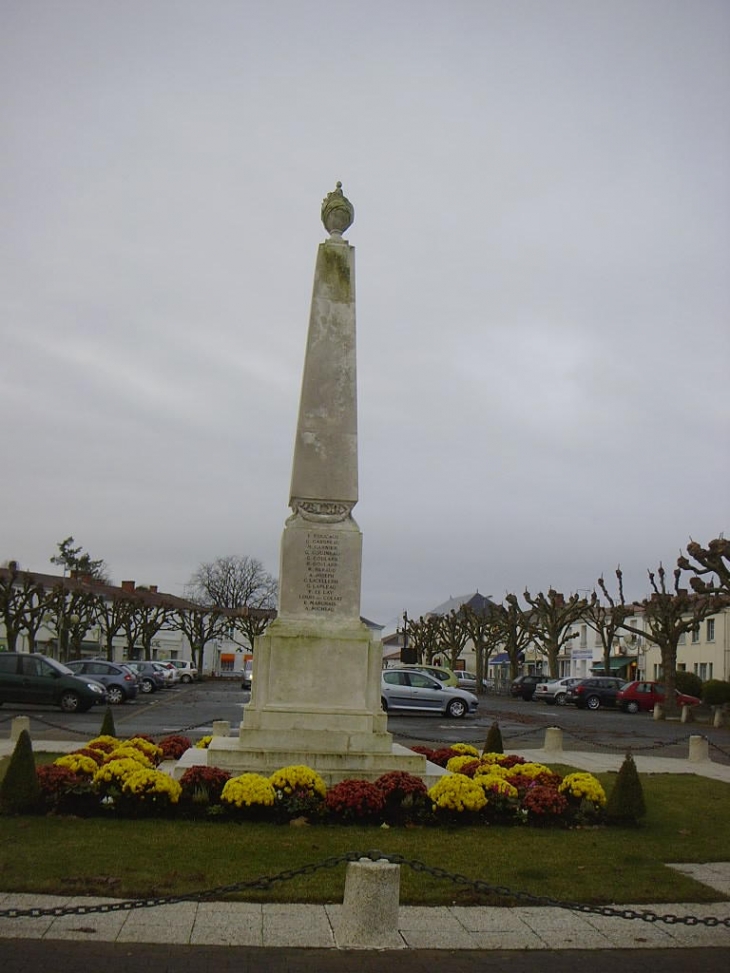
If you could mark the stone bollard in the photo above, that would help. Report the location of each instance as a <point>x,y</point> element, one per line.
<point>553,739</point>
<point>658,711</point>
<point>718,717</point>
<point>686,716</point>
<point>221,728</point>
<point>19,724</point>
<point>369,918</point>
<point>698,749</point>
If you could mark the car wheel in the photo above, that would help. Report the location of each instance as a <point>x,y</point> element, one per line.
<point>560,699</point>
<point>632,707</point>
<point>147,686</point>
<point>456,708</point>
<point>70,702</point>
<point>384,704</point>
<point>115,695</point>
<point>186,678</point>
<point>593,702</point>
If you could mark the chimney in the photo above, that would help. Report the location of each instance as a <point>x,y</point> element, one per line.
<point>127,585</point>
<point>153,589</point>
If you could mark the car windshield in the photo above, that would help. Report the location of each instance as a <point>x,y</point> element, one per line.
<point>60,667</point>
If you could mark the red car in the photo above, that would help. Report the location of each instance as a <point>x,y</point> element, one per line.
<point>636,697</point>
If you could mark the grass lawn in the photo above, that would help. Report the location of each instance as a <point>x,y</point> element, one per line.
<point>687,821</point>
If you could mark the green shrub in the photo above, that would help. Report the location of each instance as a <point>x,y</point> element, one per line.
<point>626,803</point>
<point>107,727</point>
<point>716,692</point>
<point>20,791</point>
<point>688,683</point>
<point>494,742</point>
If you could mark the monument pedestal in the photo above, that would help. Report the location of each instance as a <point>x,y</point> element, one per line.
<point>315,700</point>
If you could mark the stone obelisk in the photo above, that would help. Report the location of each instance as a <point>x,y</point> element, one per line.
<point>316,671</point>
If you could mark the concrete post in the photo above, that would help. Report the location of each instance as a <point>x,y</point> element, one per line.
<point>658,711</point>
<point>17,726</point>
<point>686,716</point>
<point>370,906</point>
<point>553,739</point>
<point>698,749</point>
<point>221,728</point>
<point>718,717</point>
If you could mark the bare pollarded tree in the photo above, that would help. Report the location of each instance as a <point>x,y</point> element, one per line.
<point>710,566</point>
<point>668,613</point>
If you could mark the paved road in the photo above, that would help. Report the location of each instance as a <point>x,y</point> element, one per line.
<point>192,709</point>
<point>30,956</point>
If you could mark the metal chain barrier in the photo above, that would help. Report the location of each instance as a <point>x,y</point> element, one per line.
<point>266,881</point>
<point>725,753</point>
<point>659,745</point>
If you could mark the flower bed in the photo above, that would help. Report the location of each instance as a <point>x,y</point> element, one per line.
<point>114,776</point>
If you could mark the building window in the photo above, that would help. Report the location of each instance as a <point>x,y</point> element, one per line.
<point>682,638</point>
<point>710,629</point>
<point>695,634</point>
<point>583,636</point>
<point>703,670</point>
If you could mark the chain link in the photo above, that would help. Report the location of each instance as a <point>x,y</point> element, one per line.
<point>266,881</point>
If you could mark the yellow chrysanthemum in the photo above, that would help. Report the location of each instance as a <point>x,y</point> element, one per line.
<point>583,786</point>
<point>298,777</point>
<point>248,790</point>
<point>126,752</point>
<point>149,749</point>
<point>203,742</point>
<point>457,793</point>
<point>495,784</point>
<point>455,764</point>
<point>115,772</point>
<point>464,748</point>
<point>148,784</point>
<point>79,763</point>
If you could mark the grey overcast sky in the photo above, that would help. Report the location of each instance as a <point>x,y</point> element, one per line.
<point>542,233</point>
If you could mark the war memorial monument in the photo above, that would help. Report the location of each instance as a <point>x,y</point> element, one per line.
<point>315,696</point>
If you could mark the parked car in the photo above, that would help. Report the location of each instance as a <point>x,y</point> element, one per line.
<point>28,677</point>
<point>168,670</point>
<point>553,692</point>
<point>594,692</point>
<point>150,677</point>
<point>186,670</point>
<point>411,691</point>
<point>637,696</point>
<point>444,675</point>
<point>120,682</point>
<point>524,686</point>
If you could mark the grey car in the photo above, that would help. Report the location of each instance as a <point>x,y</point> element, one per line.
<point>120,681</point>
<point>150,677</point>
<point>411,691</point>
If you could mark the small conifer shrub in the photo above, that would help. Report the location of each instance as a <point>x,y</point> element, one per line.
<point>494,742</point>
<point>626,805</point>
<point>107,726</point>
<point>20,792</point>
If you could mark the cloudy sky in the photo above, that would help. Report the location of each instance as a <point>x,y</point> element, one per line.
<point>542,232</point>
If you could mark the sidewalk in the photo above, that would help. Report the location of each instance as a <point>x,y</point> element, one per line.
<point>444,928</point>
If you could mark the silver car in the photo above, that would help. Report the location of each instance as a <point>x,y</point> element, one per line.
<point>411,691</point>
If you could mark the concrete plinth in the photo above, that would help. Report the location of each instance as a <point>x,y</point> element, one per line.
<point>17,726</point>
<point>553,739</point>
<point>698,749</point>
<point>369,917</point>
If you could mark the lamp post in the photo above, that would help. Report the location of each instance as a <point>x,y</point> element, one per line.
<point>63,634</point>
<point>407,655</point>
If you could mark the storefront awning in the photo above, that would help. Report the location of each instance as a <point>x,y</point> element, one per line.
<point>617,662</point>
